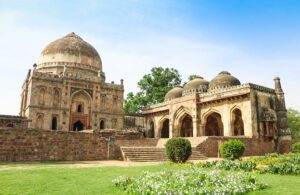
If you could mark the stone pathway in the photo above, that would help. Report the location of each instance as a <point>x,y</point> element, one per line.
<point>80,164</point>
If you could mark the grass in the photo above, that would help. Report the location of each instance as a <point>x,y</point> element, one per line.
<point>98,180</point>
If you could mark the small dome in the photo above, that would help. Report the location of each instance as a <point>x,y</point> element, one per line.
<point>70,50</point>
<point>176,92</point>
<point>198,84</point>
<point>223,80</point>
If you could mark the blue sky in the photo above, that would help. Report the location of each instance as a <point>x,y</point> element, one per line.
<point>255,40</point>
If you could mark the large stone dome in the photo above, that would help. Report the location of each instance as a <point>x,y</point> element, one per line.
<point>176,92</point>
<point>223,80</point>
<point>196,85</point>
<point>71,51</point>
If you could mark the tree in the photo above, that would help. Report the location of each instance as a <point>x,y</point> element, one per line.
<point>153,88</point>
<point>294,124</point>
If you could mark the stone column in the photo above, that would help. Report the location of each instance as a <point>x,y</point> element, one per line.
<point>226,124</point>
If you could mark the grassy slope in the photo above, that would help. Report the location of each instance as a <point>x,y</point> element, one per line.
<point>98,180</point>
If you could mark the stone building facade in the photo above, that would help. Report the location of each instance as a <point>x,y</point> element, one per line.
<point>221,107</point>
<point>66,90</point>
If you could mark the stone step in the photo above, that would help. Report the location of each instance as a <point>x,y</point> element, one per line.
<point>148,154</point>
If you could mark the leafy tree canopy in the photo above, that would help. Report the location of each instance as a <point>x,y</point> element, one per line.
<point>152,89</point>
<point>294,123</point>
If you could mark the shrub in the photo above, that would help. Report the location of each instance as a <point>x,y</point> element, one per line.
<point>296,147</point>
<point>178,149</point>
<point>232,149</point>
<point>193,180</point>
<point>230,165</point>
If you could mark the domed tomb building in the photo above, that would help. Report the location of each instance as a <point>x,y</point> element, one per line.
<point>222,107</point>
<point>66,90</point>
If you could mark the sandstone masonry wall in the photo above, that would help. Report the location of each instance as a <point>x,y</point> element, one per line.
<point>42,145</point>
<point>253,146</point>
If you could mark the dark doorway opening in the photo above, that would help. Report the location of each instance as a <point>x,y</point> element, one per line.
<point>165,129</point>
<point>238,124</point>
<point>186,129</point>
<point>54,123</point>
<point>214,125</point>
<point>102,124</point>
<point>78,126</point>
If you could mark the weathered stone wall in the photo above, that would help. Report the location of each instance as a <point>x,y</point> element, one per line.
<point>42,145</point>
<point>253,146</point>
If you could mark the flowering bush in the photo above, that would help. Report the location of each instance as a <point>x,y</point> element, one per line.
<point>178,149</point>
<point>230,165</point>
<point>190,181</point>
<point>288,164</point>
<point>232,149</point>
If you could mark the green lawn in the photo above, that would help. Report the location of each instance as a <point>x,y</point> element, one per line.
<point>98,180</point>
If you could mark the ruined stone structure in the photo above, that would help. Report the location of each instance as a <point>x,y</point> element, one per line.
<point>9,121</point>
<point>69,112</point>
<point>221,107</point>
<point>66,90</point>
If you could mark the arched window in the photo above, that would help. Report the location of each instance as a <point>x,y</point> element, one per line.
<point>54,123</point>
<point>102,124</point>
<point>79,108</point>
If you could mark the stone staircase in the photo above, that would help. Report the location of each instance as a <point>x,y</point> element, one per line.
<point>152,154</point>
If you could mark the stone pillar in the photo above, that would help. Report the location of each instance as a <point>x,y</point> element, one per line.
<point>195,127</point>
<point>226,124</point>
<point>170,128</point>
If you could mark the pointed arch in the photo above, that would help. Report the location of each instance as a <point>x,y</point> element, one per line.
<point>164,127</point>
<point>183,122</point>
<point>41,95</point>
<point>39,123</point>
<point>56,97</point>
<point>54,123</point>
<point>213,123</point>
<point>237,123</point>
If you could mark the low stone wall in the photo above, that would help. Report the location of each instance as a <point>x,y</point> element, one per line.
<point>253,146</point>
<point>41,145</point>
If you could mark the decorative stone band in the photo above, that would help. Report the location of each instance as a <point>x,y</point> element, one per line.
<point>69,64</point>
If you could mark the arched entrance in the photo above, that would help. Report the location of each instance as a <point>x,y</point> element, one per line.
<point>150,133</point>
<point>214,125</point>
<point>78,126</point>
<point>54,123</point>
<point>165,129</point>
<point>80,110</point>
<point>237,122</point>
<point>186,129</point>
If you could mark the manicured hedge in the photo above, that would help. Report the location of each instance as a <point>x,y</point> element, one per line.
<point>232,149</point>
<point>178,149</point>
